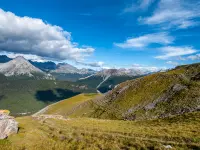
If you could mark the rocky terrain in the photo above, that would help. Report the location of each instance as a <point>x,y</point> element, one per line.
<point>8,126</point>
<point>21,67</point>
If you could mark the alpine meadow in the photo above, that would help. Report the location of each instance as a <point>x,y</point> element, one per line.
<point>100,75</point>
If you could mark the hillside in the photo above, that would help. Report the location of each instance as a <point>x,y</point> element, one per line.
<point>180,132</point>
<point>154,96</point>
<point>24,97</point>
<point>68,106</point>
<point>158,111</point>
<point>105,83</point>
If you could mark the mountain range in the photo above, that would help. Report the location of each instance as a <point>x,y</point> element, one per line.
<point>103,80</point>
<point>21,67</point>
<point>64,68</point>
<point>156,111</point>
<point>153,111</point>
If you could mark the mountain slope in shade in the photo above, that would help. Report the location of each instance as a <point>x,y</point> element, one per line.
<point>44,66</point>
<point>65,68</point>
<point>106,79</point>
<point>4,59</point>
<point>69,69</point>
<point>21,67</point>
<point>68,72</point>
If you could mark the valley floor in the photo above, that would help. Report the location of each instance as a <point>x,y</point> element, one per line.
<point>36,133</point>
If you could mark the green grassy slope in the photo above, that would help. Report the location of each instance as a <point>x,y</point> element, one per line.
<point>68,106</point>
<point>180,132</point>
<point>29,96</point>
<point>155,96</point>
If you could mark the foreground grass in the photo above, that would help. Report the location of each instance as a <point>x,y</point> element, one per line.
<point>181,132</point>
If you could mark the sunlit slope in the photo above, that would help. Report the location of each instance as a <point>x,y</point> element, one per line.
<point>180,132</point>
<point>155,96</point>
<point>68,106</point>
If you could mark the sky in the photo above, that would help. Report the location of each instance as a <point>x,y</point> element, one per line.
<point>152,34</point>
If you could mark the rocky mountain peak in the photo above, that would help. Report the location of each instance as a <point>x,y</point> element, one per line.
<point>19,66</point>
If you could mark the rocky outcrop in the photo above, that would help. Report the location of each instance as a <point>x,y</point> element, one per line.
<point>8,126</point>
<point>166,96</point>
<point>196,77</point>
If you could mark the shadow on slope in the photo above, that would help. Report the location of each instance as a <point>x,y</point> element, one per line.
<point>1,97</point>
<point>54,95</point>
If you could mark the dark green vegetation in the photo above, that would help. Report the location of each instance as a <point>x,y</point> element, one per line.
<point>29,96</point>
<point>154,96</point>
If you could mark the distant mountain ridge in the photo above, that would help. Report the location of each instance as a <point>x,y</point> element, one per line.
<point>4,59</point>
<point>123,72</point>
<point>22,67</point>
<point>67,72</point>
<point>61,71</point>
<point>106,79</point>
<point>44,66</point>
<point>67,68</point>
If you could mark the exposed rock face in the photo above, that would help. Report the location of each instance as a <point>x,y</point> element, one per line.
<point>166,96</point>
<point>22,67</point>
<point>8,126</point>
<point>69,69</point>
<point>196,77</point>
<point>19,66</point>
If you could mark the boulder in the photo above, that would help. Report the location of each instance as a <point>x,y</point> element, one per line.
<point>8,126</point>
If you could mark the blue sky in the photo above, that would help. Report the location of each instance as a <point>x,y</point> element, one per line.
<point>102,33</point>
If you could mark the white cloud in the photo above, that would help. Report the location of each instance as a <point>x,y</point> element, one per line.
<point>92,64</point>
<point>174,13</point>
<point>194,57</point>
<point>26,56</point>
<point>27,35</point>
<point>172,63</point>
<point>147,68</point>
<point>145,40</point>
<point>140,5</point>
<point>171,51</point>
<point>105,67</point>
<point>136,65</point>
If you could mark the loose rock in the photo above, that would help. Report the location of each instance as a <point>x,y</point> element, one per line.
<point>8,126</point>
